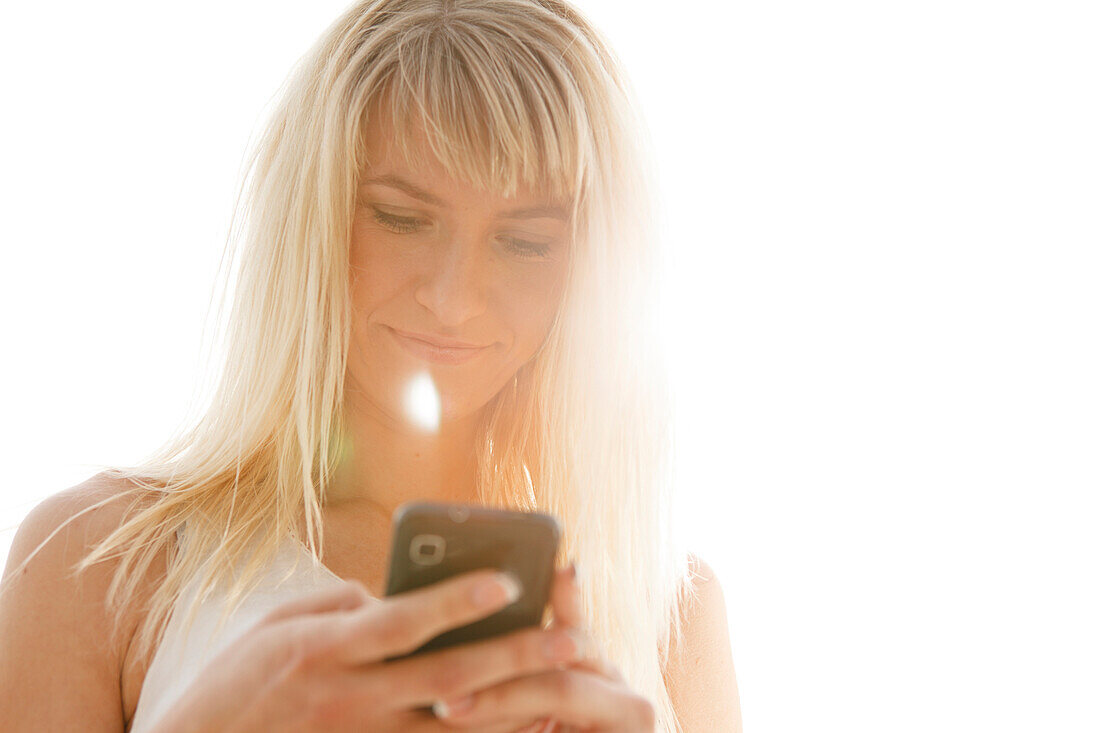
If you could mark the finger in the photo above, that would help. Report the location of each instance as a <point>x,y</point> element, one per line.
<point>571,697</point>
<point>568,613</point>
<point>455,672</point>
<point>401,624</point>
<point>500,727</point>
<point>598,664</point>
<point>542,725</point>
<point>350,594</point>
<point>426,722</point>
<point>593,659</point>
<point>565,599</point>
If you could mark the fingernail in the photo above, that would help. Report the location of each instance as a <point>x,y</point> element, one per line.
<point>512,587</point>
<point>487,593</point>
<point>447,708</point>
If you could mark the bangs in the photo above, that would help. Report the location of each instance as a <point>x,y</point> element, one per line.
<point>496,111</point>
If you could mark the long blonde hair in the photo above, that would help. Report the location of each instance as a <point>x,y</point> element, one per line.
<point>512,91</point>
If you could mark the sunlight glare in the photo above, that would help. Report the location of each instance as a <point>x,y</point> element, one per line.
<point>422,405</point>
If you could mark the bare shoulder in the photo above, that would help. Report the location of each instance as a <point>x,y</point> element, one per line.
<point>700,674</point>
<point>65,525</point>
<point>59,661</point>
<point>101,498</point>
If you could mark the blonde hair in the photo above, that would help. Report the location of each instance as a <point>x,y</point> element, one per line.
<point>512,91</point>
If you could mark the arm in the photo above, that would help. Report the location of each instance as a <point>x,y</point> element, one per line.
<point>56,669</point>
<point>700,676</point>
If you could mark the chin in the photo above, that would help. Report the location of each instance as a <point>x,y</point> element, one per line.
<point>460,409</point>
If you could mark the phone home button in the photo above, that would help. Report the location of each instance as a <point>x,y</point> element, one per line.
<point>427,549</point>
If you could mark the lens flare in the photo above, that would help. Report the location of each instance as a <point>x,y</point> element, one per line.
<point>422,405</point>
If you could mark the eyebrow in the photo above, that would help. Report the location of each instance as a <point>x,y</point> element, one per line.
<point>526,212</point>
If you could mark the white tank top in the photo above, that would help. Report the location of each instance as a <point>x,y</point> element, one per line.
<point>180,658</point>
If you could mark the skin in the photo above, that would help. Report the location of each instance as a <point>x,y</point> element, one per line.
<point>455,275</point>
<point>460,266</point>
<point>309,665</point>
<point>457,268</point>
<point>458,272</point>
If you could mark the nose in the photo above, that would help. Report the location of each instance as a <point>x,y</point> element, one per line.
<point>455,286</point>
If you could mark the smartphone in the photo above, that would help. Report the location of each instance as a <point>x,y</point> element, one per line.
<point>434,540</point>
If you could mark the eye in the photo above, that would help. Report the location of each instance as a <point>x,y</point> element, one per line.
<point>399,224</point>
<point>521,248</point>
<point>525,249</point>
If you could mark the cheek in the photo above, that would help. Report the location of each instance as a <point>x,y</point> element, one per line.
<point>375,276</point>
<point>530,307</point>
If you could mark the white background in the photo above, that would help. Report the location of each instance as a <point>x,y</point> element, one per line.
<point>882,230</point>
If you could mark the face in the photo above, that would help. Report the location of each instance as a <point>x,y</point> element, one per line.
<point>450,284</point>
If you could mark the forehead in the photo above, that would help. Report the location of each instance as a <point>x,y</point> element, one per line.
<point>405,148</point>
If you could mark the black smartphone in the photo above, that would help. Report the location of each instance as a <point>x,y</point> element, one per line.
<point>434,540</point>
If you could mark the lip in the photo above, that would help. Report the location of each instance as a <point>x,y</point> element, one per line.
<point>436,348</point>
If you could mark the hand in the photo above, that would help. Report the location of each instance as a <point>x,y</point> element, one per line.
<point>587,694</point>
<point>319,663</point>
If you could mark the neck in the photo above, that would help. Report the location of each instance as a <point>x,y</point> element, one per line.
<point>390,462</point>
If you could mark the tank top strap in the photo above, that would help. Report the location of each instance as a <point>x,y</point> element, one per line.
<point>184,652</point>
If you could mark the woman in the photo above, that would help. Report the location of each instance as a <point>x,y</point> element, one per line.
<point>445,292</point>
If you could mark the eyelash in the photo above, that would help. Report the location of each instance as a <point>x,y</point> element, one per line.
<point>406,225</point>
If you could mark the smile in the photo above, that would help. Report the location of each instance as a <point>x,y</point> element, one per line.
<point>433,352</point>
